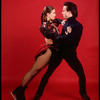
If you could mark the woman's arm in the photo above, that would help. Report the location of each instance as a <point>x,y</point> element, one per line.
<point>47,31</point>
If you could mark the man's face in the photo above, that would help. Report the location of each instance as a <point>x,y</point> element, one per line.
<point>65,12</point>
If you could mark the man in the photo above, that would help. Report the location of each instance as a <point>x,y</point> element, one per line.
<point>67,50</point>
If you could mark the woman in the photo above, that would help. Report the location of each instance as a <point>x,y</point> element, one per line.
<point>50,31</point>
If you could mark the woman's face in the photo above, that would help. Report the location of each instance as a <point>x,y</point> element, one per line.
<point>51,16</point>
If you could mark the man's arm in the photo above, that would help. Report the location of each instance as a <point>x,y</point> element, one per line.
<point>76,33</point>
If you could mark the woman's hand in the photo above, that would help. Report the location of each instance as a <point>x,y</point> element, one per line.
<point>44,24</point>
<point>69,30</point>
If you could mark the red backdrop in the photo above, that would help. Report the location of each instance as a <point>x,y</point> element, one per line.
<point>20,38</point>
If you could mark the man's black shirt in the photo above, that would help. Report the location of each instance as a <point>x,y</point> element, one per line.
<point>69,43</point>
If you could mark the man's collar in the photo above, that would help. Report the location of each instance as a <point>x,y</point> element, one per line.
<point>71,19</point>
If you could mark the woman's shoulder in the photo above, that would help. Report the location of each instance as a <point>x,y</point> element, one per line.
<point>45,26</point>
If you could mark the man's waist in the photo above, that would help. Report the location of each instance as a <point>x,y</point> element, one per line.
<point>67,51</point>
<point>67,48</point>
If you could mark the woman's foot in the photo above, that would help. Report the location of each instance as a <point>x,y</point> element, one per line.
<point>18,93</point>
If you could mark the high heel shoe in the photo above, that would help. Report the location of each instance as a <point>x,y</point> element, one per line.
<point>18,93</point>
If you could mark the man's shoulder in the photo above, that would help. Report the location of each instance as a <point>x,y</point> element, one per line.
<point>79,24</point>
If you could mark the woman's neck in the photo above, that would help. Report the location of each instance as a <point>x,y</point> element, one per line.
<point>48,19</point>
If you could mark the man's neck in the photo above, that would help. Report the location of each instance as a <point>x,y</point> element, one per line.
<point>70,16</point>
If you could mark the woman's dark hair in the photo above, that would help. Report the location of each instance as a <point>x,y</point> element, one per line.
<point>71,7</point>
<point>46,10</point>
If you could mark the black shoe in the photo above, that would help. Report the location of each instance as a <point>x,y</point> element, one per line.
<point>37,97</point>
<point>85,97</point>
<point>18,93</point>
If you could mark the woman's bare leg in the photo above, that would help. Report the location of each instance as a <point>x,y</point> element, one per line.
<point>39,64</point>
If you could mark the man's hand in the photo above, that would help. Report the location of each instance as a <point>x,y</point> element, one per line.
<point>66,33</point>
<point>63,22</point>
<point>69,29</point>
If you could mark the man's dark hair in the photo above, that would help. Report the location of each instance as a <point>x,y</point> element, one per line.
<point>71,7</point>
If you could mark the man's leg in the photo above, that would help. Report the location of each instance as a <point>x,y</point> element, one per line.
<point>75,64</point>
<point>54,63</point>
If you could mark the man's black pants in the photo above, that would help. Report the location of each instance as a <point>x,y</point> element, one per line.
<point>73,62</point>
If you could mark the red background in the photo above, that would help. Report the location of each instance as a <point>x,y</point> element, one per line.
<point>20,39</point>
